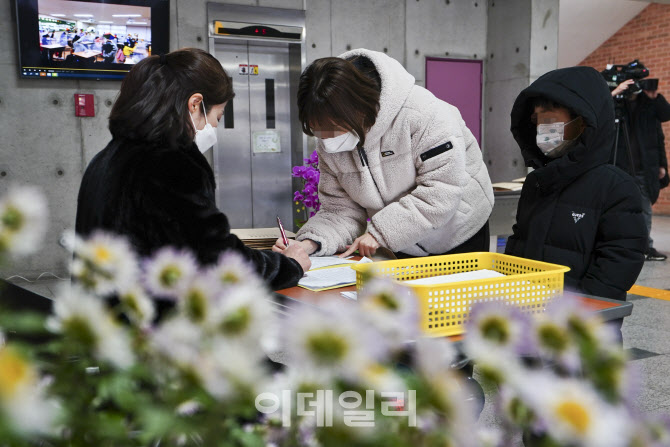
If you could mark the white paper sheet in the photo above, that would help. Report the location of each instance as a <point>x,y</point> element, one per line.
<point>326,261</point>
<point>455,277</point>
<point>350,295</point>
<point>326,278</point>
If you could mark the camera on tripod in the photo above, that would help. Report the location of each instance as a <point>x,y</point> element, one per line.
<point>635,70</point>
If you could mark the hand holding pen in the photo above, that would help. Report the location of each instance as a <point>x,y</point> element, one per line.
<point>294,251</point>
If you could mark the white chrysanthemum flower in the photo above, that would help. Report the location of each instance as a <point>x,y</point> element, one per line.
<point>572,412</point>
<point>199,297</point>
<point>188,408</point>
<point>333,340</point>
<point>488,437</point>
<point>299,379</point>
<point>232,270</point>
<point>85,319</point>
<point>212,377</point>
<point>228,369</point>
<point>307,432</point>
<point>434,355</point>
<point>22,395</point>
<point>555,343</point>
<point>138,307</point>
<point>582,324</point>
<point>23,220</point>
<point>381,379</point>
<point>104,263</point>
<point>392,308</point>
<point>242,313</point>
<point>512,409</point>
<point>179,340</point>
<point>449,401</point>
<point>286,385</point>
<point>593,347</point>
<point>652,431</point>
<point>497,325</point>
<point>169,272</point>
<point>496,365</point>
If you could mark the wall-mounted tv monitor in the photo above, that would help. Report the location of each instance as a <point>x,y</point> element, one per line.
<point>89,39</point>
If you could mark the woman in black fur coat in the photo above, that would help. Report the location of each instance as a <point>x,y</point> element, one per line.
<point>152,183</point>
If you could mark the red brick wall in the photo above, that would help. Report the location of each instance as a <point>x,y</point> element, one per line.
<point>646,37</point>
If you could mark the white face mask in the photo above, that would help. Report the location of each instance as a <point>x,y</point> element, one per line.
<point>550,139</point>
<point>205,137</point>
<point>341,143</point>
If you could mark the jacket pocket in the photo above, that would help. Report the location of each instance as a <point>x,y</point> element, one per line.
<point>434,152</point>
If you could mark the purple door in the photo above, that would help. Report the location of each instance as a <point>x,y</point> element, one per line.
<point>458,82</point>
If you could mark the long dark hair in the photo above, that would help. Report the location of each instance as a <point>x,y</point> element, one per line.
<point>333,91</point>
<point>152,103</point>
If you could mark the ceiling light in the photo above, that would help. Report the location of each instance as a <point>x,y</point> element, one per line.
<point>58,15</point>
<point>83,15</point>
<point>126,15</point>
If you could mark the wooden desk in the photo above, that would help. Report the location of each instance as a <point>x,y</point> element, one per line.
<point>53,47</point>
<point>87,54</point>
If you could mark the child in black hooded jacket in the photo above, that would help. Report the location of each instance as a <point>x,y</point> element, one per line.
<point>575,208</point>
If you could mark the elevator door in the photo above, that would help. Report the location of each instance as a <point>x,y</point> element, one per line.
<point>253,158</point>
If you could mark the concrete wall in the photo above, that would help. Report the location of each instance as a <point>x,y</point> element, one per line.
<point>522,45</point>
<point>43,143</point>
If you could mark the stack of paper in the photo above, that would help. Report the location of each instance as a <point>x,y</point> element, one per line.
<point>455,277</point>
<point>330,276</point>
<point>507,186</point>
<point>260,238</point>
<point>514,185</point>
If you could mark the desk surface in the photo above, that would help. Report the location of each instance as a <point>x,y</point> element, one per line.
<point>292,297</point>
<point>607,308</point>
<point>87,53</point>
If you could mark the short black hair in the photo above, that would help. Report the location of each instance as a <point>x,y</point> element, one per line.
<point>548,104</point>
<point>333,90</point>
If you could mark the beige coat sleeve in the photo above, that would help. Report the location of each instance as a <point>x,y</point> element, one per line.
<point>440,181</point>
<point>339,221</point>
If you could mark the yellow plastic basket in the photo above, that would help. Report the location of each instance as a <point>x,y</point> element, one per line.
<point>529,285</point>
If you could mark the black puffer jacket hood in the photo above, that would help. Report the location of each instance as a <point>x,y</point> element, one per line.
<point>593,103</point>
<point>578,210</point>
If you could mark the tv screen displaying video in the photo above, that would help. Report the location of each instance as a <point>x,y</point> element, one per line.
<point>89,39</point>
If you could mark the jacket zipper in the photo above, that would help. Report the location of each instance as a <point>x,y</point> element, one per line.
<point>364,161</point>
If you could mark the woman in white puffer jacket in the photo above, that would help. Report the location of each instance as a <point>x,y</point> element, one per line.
<point>391,152</point>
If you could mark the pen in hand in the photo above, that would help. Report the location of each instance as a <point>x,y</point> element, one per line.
<point>283,233</point>
<point>295,251</point>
